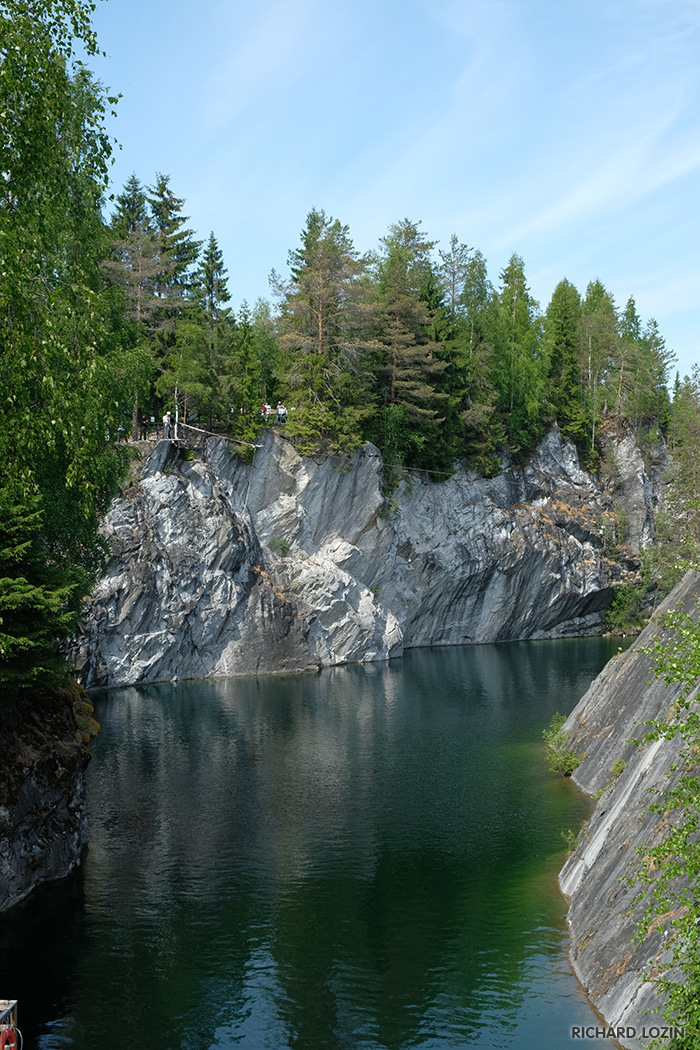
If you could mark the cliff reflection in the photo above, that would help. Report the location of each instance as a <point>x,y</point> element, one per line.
<point>362,857</point>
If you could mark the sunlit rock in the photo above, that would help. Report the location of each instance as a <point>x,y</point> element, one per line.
<point>291,562</point>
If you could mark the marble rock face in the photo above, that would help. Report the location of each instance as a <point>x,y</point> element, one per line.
<point>604,913</point>
<point>287,563</point>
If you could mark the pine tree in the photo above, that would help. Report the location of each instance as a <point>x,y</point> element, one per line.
<point>322,337</point>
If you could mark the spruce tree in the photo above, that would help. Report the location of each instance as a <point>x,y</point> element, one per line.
<point>177,252</point>
<point>245,383</point>
<point>653,400</point>
<point>209,282</point>
<point>599,336</point>
<point>35,599</point>
<point>176,244</point>
<point>483,434</point>
<point>677,541</point>
<point>133,265</point>
<point>409,366</point>
<point>453,274</point>
<point>517,364</point>
<point>562,346</point>
<point>134,261</point>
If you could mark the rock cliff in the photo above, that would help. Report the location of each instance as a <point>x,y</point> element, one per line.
<point>43,825</point>
<point>603,916</point>
<point>289,563</point>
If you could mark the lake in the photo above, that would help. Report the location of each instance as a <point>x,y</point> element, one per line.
<point>362,858</point>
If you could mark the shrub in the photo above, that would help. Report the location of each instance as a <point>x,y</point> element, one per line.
<point>281,545</point>
<point>562,759</point>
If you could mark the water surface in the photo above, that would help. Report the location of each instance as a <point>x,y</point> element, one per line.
<point>363,858</point>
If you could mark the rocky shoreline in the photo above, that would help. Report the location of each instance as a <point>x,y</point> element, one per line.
<point>43,824</point>
<point>603,914</point>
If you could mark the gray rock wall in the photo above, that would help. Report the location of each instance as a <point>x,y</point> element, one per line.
<point>43,825</point>
<point>603,917</point>
<point>293,563</point>
<point>636,488</point>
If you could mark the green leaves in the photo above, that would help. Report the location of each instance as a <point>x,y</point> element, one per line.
<point>562,758</point>
<point>59,328</point>
<point>670,869</point>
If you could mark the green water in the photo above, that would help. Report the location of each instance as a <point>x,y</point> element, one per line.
<point>363,858</point>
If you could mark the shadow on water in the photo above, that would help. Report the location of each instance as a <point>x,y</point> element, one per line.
<point>361,858</point>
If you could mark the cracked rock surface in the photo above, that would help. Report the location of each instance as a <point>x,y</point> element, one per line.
<point>290,563</point>
<point>603,914</point>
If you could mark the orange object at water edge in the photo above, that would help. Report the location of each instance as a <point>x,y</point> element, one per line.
<point>10,1035</point>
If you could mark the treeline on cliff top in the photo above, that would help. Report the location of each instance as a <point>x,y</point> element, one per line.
<point>107,314</point>
<point>410,346</point>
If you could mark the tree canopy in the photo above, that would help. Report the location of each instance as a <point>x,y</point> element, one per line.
<point>65,348</point>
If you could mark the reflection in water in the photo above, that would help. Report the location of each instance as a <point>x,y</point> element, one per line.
<point>361,858</point>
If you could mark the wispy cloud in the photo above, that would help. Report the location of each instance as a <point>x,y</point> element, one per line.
<point>256,56</point>
<point>568,132</point>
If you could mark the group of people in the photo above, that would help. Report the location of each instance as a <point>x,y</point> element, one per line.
<point>266,412</point>
<point>146,424</point>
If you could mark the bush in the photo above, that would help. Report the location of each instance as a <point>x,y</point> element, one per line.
<point>562,759</point>
<point>625,611</point>
<point>281,545</point>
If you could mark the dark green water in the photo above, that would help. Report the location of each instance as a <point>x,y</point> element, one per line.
<point>364,858</point>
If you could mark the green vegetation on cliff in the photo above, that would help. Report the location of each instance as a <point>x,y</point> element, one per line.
<point>66,360</point>
<point>671,870</point>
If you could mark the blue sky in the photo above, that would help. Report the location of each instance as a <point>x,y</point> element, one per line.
<point>567,131</point>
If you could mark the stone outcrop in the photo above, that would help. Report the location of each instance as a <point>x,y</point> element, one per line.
<point>287,563</point>
<point>603,915</point>
<point>636,485</point>
<point>43,826</point>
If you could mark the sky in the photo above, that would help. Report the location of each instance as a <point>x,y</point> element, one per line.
<point>567,131</point>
